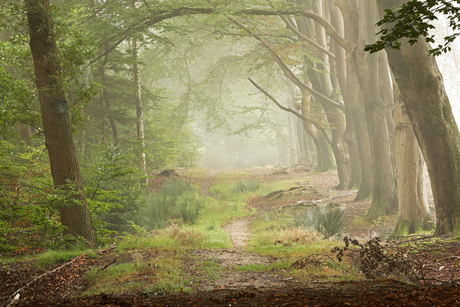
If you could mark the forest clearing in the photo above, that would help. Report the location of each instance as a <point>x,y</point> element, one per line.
<point>262,256</point>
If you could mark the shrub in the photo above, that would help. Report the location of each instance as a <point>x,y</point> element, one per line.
<point>29,219</point>
<point>328,221</point>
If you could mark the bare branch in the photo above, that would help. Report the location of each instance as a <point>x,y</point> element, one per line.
<point>291,27</point>
<point>289,73</point>
<point>306,119</point>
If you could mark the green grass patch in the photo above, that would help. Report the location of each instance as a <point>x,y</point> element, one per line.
<point>151,276</point>
<point>53,257</point>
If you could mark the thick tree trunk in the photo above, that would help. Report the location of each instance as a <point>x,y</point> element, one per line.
<point>430,113</point>
<point>349,134</point>
<point>334,115</point>
<point>384,194</point>
<point>57,130</point>
<point>413,211</point>
<point>350,13</point>
<point>360,17</point>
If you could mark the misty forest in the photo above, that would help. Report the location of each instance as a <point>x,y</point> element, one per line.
<point>219,153</point>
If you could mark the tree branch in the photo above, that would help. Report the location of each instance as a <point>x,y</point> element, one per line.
<point>291,27</point>
<point>306,119</point>
<point>289,73</point>
<point>160,15</point>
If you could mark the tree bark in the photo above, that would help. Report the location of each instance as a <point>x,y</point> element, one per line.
<point>413,211</point>
<point>350,13</point>
<point>57,129</point>
<point>334,115</point>
<point>362,17</point>
<point>384,195</point>
<point>430,113</point>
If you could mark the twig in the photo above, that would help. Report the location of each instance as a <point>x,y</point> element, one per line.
<point>14,295</point>
<point>86,278</point>
<point>351,51</point>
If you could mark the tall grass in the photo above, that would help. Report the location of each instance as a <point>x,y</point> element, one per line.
<point>175,200</point>
<point>189,207</point>
<point>244,186</point>
<point>328,221</point>
<point>157,211</point>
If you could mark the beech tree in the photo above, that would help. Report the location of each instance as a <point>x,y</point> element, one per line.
<point>424,96</point>
<point>57,129</point>
<point>413,208</point>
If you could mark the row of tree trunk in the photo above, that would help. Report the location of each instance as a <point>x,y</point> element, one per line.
<point>385,120</point>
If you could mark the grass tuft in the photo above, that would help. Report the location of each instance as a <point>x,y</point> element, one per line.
<point>328,221</point>
<point>244,186</point>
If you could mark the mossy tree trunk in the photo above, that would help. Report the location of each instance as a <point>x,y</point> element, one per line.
<point>430,113</point>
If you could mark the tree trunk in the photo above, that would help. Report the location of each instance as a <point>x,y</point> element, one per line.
<point>350,13</point>
<point>384,194</point>
<point>57,130</point>
<point>430,113</point>
<point>334,115</point>
<point>24,133</point>
<point>413,211</point>
<point>139,111</point>
<point>349,134</point>
<point>293,139</point>
<point>323,149</point>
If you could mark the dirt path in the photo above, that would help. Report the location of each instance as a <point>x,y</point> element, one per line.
<point>236,262</point>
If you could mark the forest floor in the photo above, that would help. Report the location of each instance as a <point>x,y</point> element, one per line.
<point>234,287</point>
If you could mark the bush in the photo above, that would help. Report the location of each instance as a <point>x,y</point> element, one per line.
<point>29,219</point>
<point>244,186</point>
<point>112,188</point>
<point>328,221</point>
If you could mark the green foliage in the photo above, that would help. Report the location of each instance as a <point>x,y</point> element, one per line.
<point>158,209</point>
<point>112,189</point>
<point>176,188</point>
<point>328,221</point>
<point>29,218</point>
<point>412,20</point>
